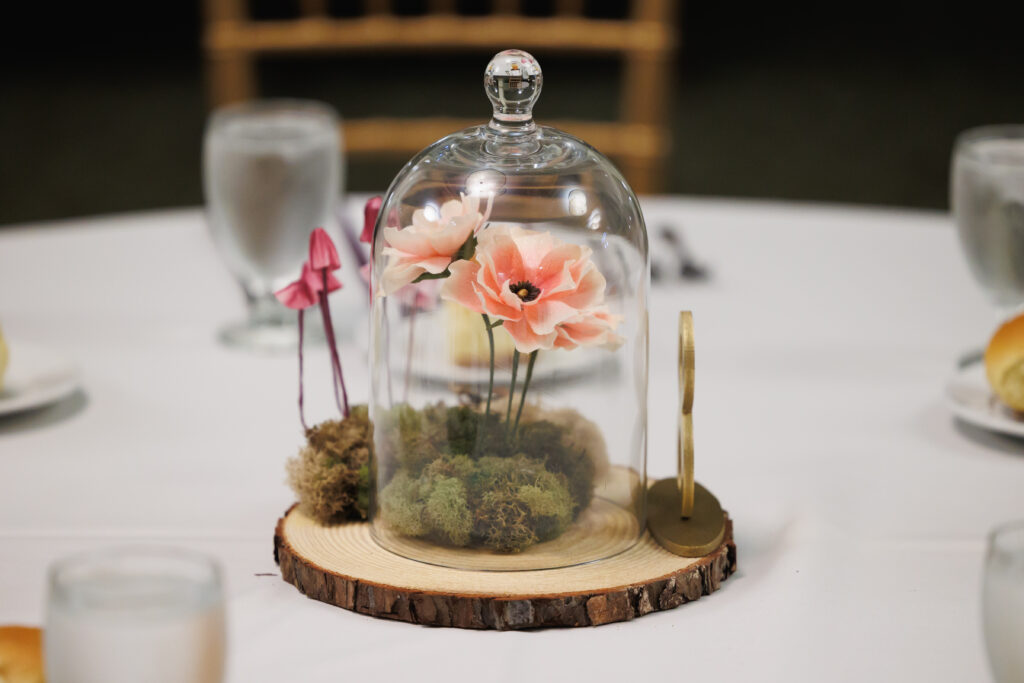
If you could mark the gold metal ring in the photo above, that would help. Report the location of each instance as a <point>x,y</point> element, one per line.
<point>685,437</point>
<point>686,360</point>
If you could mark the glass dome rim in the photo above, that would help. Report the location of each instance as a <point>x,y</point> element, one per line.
<point>590,157</point>
<point>480,132</point>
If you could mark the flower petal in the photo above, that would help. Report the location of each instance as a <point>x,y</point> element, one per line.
<point>589,291</point>
<point>459,286</point>
<point>595,327</point>
<point>494,231</point>
<point>533,246</point>
<point>556,282</point>
<point>525,339</point>
<point>452,208</point>
<point>397,274</point>
<point>555,272</point>
<point>509,298</point>
<point>544,315</point>
<point>409,240</point>
<point>470,203</point>
<point>453,235</point>
<point>500,302</point>
<point>501,257</point>
<point>435,265</point>
<point>421,222</point>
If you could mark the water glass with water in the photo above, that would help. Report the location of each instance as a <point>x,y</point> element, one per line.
<point>1003,602</point>
<point>271,174</point>
<point>135,614</point>
<point>987,195</point>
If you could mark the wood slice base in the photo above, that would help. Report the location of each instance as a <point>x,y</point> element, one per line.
<point>342,565</point>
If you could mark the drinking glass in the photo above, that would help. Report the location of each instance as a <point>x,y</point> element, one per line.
<point>1003,602</point>
<point>271,173</point>
<point>987,190</point>
<point>135,614</point>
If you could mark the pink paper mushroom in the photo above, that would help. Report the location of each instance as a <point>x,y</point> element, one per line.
<point>314,285</point>
<point>370,213</point>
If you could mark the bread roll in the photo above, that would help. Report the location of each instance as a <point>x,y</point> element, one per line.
<point>21,655</point>
<point>470,346</point>
<point>1004,363</point>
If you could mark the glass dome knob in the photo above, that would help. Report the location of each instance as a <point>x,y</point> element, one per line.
<point>513,80</point>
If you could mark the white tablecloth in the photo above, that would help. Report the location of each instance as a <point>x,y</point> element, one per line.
<point>825,336</point>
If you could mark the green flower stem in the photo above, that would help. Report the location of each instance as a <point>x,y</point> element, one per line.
<point>512,390</point>
<point>490,382</point>
<point>526,386</point>
<point>432,276</point>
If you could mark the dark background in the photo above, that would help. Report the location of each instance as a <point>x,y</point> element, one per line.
<point>102,104</point>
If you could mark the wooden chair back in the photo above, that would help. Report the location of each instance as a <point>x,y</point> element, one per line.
<point>645,40</point>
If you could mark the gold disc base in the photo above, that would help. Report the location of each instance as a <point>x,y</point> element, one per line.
<point>694,536</point>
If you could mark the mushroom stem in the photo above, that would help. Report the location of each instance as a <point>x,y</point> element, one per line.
<point>332,346</point>
<point>302,414</point>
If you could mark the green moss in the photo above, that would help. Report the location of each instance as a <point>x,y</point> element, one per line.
<point>419,439</point>
<point>460,479</point>
<point>402,506</point>
<point>446,511</point>
<point>547,440</point>
<point>552,504</point>
<point>519,503</point>
<point>461,427</point>
<point>503,523</point>
<point>458,466</point>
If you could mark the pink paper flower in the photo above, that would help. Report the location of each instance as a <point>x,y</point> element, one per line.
<point>370,212</point>
<point>420,296</point>
<point>534,283</point>
<point>430,243</point>
<point>595,327</point>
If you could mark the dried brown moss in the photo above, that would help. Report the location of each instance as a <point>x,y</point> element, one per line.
<point>331,473</point>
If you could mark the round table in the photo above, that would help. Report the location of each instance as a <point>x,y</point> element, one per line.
<point>825,335</point>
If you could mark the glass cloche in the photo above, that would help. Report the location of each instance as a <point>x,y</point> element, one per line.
<point>509,346</point>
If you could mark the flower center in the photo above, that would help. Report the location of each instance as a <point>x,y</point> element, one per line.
<point>526,291</point>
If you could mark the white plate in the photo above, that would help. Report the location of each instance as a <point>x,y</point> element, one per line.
<point>435,365</point>
<point>554,365</point>
<point>971,399</point>
<point>35,377</point>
